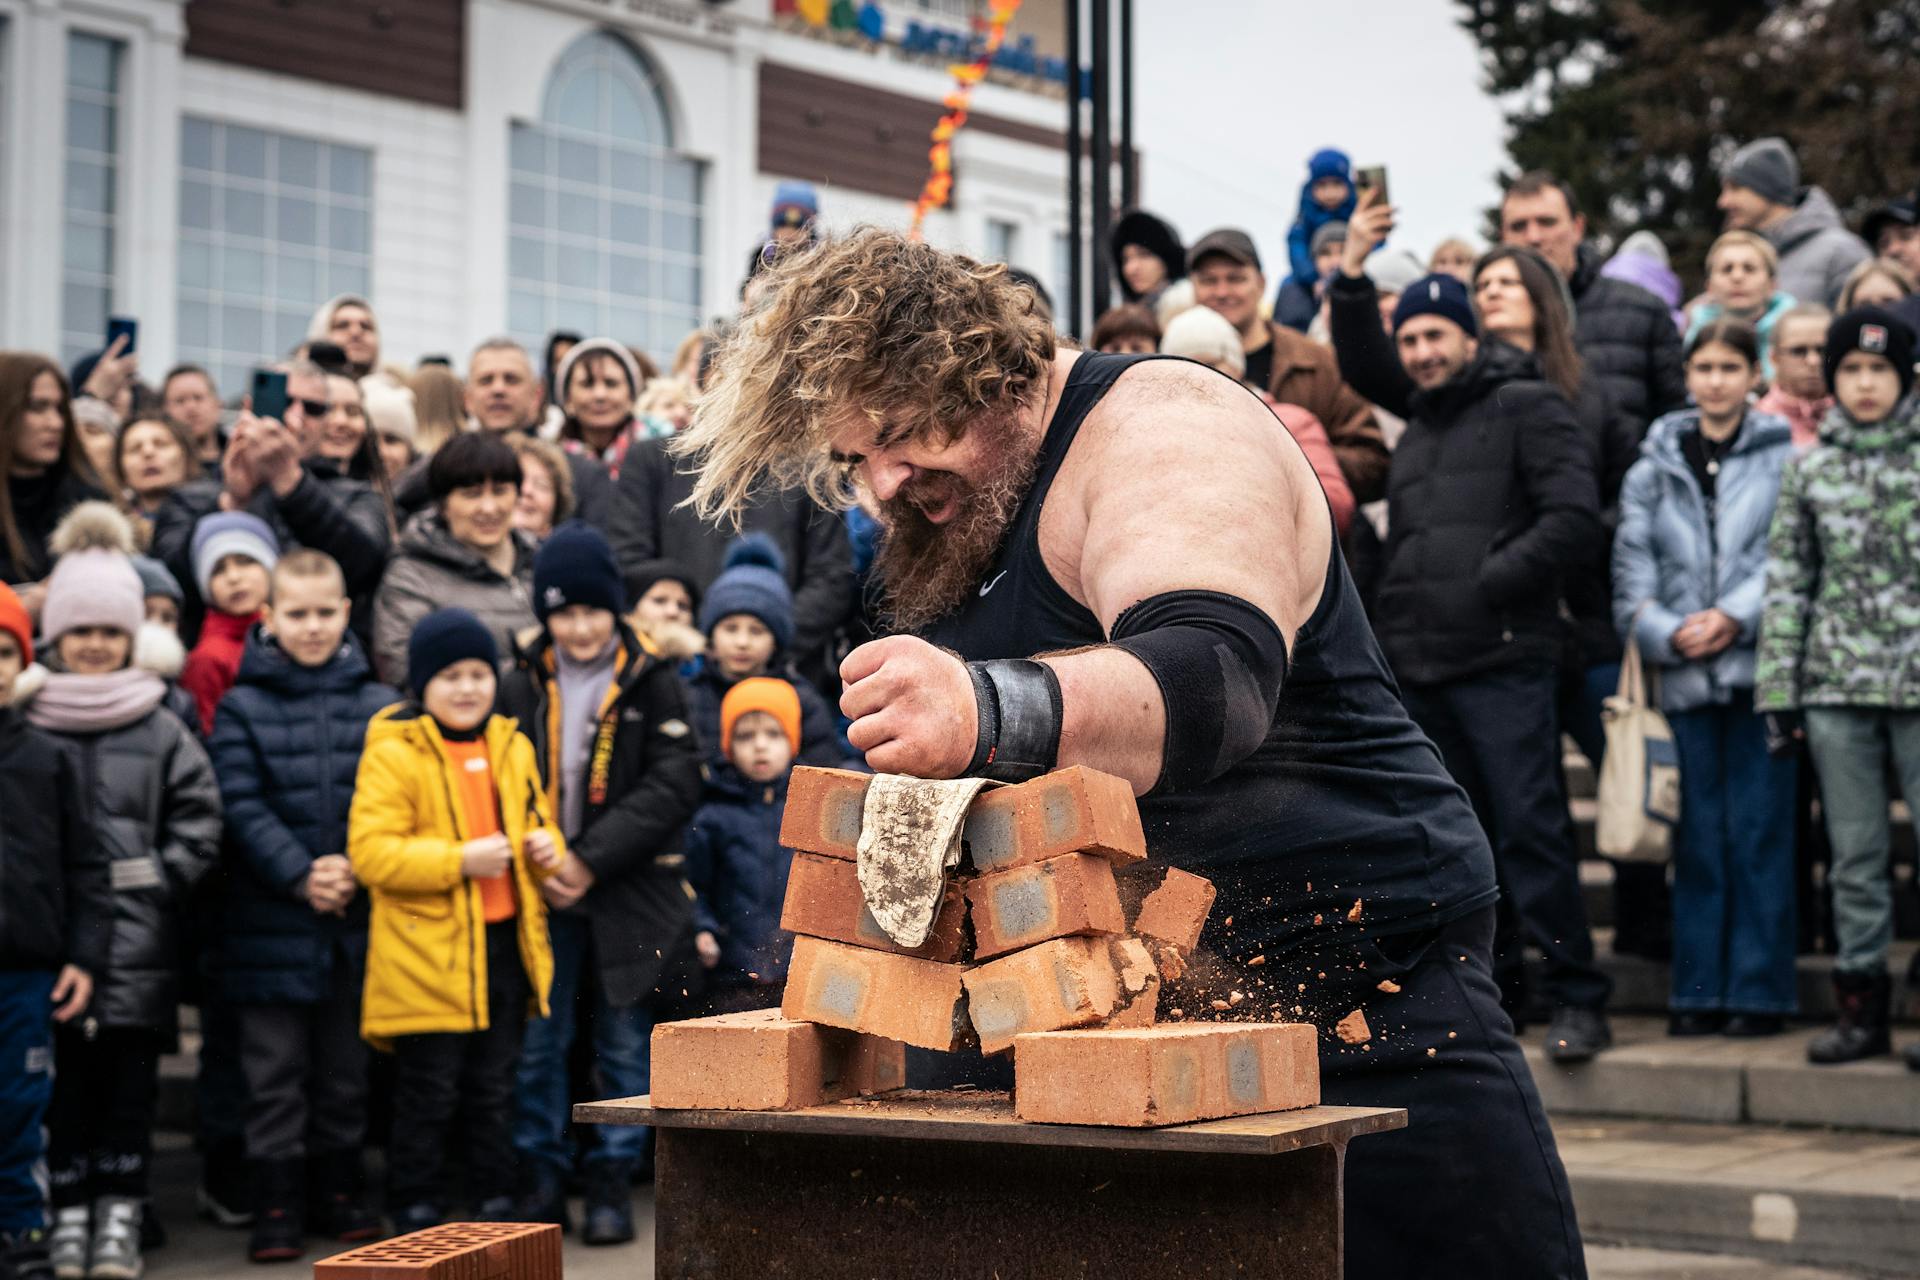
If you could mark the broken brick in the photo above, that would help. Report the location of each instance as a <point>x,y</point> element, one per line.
<point>1165,1075</point>
<point>1353,1028</point>
<point>761,1061</point>
<point>824,901</point>
<point>1138,994</point>
<point>918,1002</point>
<point>1068,982</point>
<point>1073,893</point>
<point>825,808</point>
<point>454,1251</point>
<point>1073,810</point>
<point>1176,911</point>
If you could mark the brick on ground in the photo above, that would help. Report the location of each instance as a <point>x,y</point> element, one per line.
<point>454,1251</point>
<point>1175,912</point>
<point>1070,894</point>
<point>1173,1074</point>
<point>1067,982</point>
<point>824,811</point>
<point>1073,810</point>
<point>761,1061</point>
<point>880,993</point>
<point>824,901</point>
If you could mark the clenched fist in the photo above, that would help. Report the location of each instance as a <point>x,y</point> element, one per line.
<point>485,857</point>
<point>912,707</point>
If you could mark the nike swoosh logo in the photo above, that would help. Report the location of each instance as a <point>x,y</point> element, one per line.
<point>993,582</point>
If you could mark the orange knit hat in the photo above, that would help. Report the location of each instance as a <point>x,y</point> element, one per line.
<point>761,693</point>
<point>13,619</point>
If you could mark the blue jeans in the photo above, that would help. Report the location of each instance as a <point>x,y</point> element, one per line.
<point>1733,888</point>
<point>26,1086</point>
<point>621,1043</point>
<point>1850,746</point>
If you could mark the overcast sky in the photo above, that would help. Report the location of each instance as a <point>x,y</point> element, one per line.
<point>1232,96</point>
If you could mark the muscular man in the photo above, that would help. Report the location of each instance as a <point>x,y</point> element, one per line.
<point>1203,640</point>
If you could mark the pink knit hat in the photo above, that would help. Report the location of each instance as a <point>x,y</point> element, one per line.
<point>92,589</point>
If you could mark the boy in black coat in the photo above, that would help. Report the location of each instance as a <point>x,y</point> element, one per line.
<point>55,915</point>
<point>286,745</point>
<point>607,715</point>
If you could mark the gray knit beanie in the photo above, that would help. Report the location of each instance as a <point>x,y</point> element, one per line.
<point>1768,168</point>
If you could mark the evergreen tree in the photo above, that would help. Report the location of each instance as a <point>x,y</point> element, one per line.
<point>1638,103</point>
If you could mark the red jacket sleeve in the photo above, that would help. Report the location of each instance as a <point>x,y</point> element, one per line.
<point>1311,435</point>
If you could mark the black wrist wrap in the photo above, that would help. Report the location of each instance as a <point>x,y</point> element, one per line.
<point>1220,663</point>
<point>1018,701</point>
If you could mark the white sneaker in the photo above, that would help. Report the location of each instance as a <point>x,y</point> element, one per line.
<point>67,1246</point>
<point>116,1239</point>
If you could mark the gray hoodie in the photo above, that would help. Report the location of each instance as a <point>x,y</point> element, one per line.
<point>1816,249</point>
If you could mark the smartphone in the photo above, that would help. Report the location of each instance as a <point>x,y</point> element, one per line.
<point>269,394</point>
<point>1374,178</point>
<point>123,325</point>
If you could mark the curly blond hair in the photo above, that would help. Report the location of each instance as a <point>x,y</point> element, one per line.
<point>872,324</point>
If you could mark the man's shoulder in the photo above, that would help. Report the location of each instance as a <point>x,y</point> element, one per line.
<point>1144,396</point>
<point>1606,294</point>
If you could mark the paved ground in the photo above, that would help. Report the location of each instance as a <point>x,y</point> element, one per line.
<point>201,1251</point>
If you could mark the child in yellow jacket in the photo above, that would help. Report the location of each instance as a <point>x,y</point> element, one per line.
<point>450,833</point>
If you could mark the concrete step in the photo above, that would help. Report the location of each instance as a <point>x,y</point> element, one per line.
<point>1642,986</point>
<point>1651,1075</point>
<point>1789,1196</point>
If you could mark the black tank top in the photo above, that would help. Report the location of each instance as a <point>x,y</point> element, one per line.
<point>1345,801</point>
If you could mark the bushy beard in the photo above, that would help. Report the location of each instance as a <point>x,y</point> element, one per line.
<point>927,569</point>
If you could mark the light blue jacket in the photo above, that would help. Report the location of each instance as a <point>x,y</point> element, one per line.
<point>1668,563</point>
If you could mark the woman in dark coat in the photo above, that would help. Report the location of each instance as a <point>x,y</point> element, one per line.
<point>47,472</point>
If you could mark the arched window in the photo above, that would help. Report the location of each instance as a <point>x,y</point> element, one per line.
<point>604,218</point>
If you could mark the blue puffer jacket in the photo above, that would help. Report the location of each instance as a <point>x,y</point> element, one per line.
<point>286,744</point>
<point>739,870</point>
<point>1669,557</point>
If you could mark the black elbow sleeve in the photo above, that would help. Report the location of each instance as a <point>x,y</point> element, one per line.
<point>1220,663</point>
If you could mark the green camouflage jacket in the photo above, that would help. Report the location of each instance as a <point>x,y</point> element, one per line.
<point>1842,620</point>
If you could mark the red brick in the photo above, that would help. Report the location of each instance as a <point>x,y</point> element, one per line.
<point>824,809</point>
<point>1138,989</point>
<point>883,994</point>
<point>1076,810</point>
<point>1068,982</point>
<point>1173,1074</point>
<point>823,901</point>
<point>1176,911</point>
<point>760,1061</point>
<point>454,1251</point>
<point>1071,894</point>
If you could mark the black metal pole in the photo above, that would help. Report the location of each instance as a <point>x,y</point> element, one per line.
<point>1102,126</point>
<point>1129,170</point>
<point>1073,167</point>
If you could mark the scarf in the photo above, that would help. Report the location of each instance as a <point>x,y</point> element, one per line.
<point>70,703</point>
<point>582,690</point>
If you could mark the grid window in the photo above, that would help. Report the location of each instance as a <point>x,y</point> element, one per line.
<point>1003,241</point>
<point>92,179</point>
<point>271,225</point>
<point>605,220</point>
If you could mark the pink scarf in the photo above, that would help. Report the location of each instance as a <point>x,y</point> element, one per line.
<point>70,703</point>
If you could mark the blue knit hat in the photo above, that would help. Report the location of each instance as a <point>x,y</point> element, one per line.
<point>1329,162</point>
<point>1437,295</point>
<point>575,565</point>
<point>230,533</point>
<point>754,583</point>
<point>443,638</point>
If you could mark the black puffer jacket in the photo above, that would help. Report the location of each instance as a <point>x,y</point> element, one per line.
<point>55,908</point>
<point>1614,439</point>
<point>640,907</point>
<point>1491,500</point>
<point>38,504</point>
<point>156,808</point>
<point>1627,338</point>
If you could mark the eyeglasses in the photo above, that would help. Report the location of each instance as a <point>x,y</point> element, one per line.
<point>1804,353</point>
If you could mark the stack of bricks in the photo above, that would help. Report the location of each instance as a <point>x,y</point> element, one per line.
<point>1030,951</point>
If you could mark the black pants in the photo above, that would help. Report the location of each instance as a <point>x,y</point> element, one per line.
<point>306,1073</point>
<point>1499,736</point>
<point>100,1123</point>
<point>471,1073</point>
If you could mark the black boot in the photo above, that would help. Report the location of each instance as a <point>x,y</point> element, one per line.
<point>337,1197</point>
<point>279,1210</point>
<point>609,1218</point>
<point>1861,1031</point>
<point>23,1255</point>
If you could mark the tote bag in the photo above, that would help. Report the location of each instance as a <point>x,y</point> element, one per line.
<point>1640,776</point>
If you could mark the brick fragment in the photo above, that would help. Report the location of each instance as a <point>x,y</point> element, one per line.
<point>1353,1028</point>
<point>824,811</point>
<point>1073,893</point>
<point>1176,911</point>
<point>1067,982</point>
<point>1138,995</point>
<point>454,1251</point>
<point>1074,810</point>
<point>824,901</point>
<point>880,993</point>
<point>1173,1074</point>
<point>761,1061</point>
